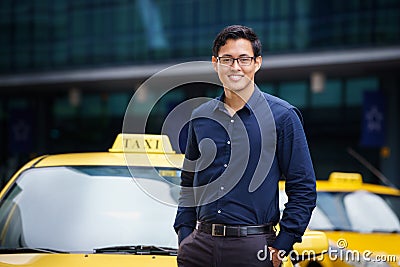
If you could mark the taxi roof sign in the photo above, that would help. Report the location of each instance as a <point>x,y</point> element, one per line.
<point>345,177</point>
<point>142,143</point>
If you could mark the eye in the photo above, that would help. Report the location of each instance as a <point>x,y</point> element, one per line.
<point>245,60</point>
<point>226,60</point>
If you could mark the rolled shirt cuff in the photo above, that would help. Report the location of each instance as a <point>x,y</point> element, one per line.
<point>284,241</point>
<point>183,232</point>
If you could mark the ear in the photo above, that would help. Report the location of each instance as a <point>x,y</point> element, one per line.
<point>258,62</point>
<point>214,61</point>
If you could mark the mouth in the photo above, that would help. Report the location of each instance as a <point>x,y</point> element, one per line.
<point>235,77</point>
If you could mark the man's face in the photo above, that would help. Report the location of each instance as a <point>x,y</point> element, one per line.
<point>236,77</point>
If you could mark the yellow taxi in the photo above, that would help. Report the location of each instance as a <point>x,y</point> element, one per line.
<point>113,208</point>
<point>361,221</point>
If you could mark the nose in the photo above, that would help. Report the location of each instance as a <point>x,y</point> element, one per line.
<point>235,64</point>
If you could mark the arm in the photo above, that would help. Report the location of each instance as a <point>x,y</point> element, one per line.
<point>186,216</point>
<point>296,166</point>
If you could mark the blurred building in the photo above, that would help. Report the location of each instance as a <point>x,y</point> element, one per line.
<point>68,69</point>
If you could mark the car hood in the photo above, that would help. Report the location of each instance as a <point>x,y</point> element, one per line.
<point>87,260</point>
<point>372,244</point>
<point>387,243</point>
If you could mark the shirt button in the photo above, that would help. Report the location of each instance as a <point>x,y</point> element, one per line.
<point>222,188</point>
<point>232,121</point>
<point>225,165</point>
<point>219,211</point>
<point>229,142</point>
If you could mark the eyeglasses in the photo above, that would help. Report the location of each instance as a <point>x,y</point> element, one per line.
<point>242,61</point>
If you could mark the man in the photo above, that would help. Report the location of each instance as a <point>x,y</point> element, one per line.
<point>239,146</point>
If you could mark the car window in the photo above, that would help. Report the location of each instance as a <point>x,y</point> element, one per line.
<point>82,208</point>
<point>393,202</point>
<point>331,206</point>
<point>320,221</point>
<point>358,211</point>
<point>369,212</point>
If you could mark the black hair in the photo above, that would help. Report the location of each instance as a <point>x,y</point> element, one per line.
<point>237,32</point>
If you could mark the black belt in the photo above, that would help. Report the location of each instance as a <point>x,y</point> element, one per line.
<point>216,229</point>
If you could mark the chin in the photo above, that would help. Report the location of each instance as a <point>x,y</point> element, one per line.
<point>236,87</point>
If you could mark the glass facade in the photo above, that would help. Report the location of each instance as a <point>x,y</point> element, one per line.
<point>62,34</point>
<point>44,36</point>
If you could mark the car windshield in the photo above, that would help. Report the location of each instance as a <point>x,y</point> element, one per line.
<point>358,211</point>
<point>83,208</point>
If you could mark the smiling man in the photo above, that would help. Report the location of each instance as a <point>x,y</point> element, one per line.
<point>239,146</point>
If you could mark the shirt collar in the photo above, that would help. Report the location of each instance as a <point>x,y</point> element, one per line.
<point>250,105</point>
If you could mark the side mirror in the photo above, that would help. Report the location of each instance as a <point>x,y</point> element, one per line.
<point>314,244</point>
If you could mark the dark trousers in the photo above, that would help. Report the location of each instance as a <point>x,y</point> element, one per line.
<point>204,250</point>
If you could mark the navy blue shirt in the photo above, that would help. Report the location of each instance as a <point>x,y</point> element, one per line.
<point>233,165</point>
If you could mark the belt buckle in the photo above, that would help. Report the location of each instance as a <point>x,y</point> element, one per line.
<point>215,231</point>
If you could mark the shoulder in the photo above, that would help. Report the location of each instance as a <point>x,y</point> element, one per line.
<point>277,103</point>
<point>206,108</point>
<point>282,109</point>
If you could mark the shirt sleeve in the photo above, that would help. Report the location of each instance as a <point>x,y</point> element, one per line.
<point>186,216</point>
<point>297,168</point>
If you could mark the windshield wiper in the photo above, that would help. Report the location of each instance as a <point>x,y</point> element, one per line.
<point>29,250</point>
<point>394,231</point>
<point>339,229</point>
<point>138,250</point>
<point>334,229</point>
